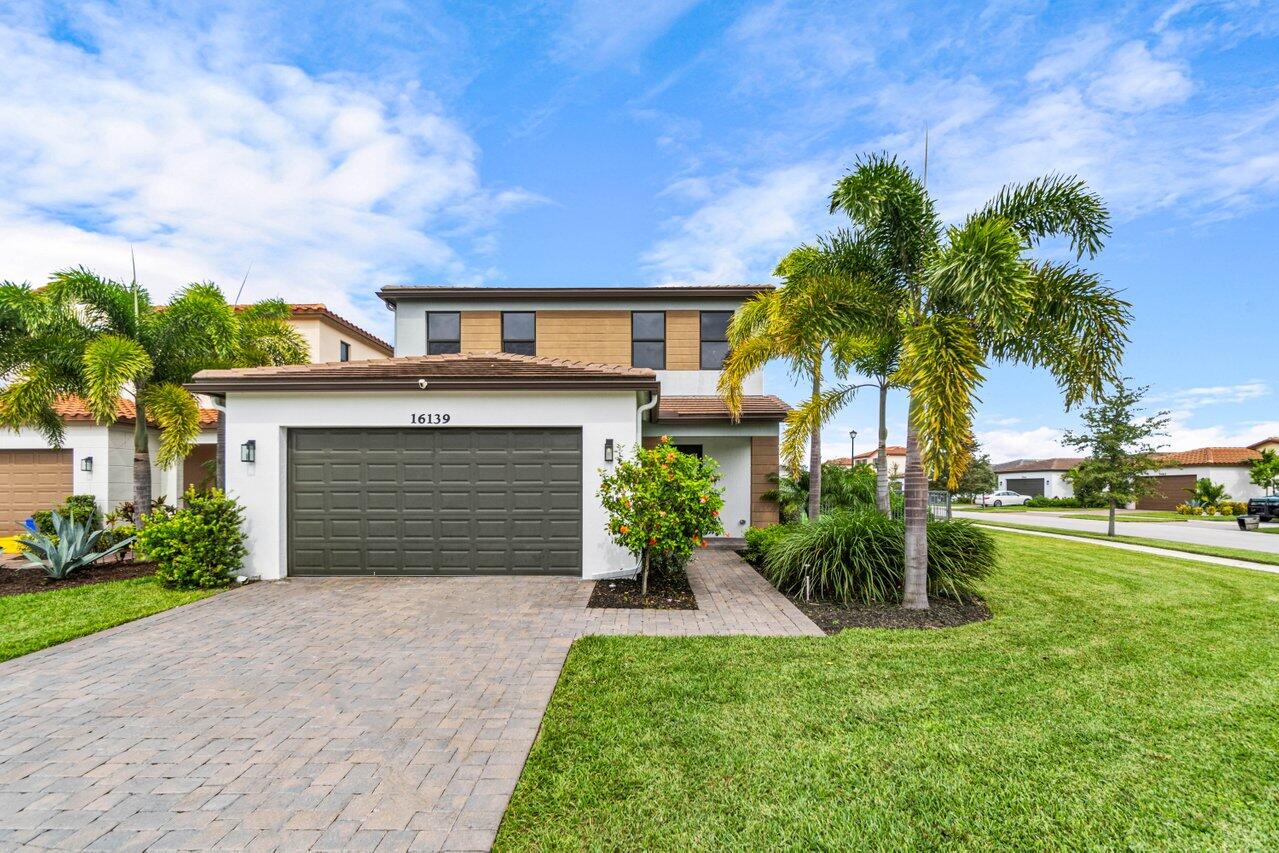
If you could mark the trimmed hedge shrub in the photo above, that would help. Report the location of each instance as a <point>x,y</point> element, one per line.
<point>199,546</point>
<point>861,557</point>
<point>81,508</point>
<point>1066,503</point>
<point>760,540</point>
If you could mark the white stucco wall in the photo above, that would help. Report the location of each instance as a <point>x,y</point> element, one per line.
<point>1233,477</point>
<point>266,418</point>
<point>1055,483</point>
<point>83,440</point>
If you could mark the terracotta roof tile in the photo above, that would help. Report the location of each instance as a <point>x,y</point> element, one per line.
<point>319,309</point>
<point>469,370</point>
<point>1211,456</point>
<point>710,408</point>
<point>74,409</point>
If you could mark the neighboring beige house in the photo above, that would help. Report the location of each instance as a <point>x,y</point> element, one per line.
<point>1271,443</point>
<point>896,460</point>
<point>98,460</point>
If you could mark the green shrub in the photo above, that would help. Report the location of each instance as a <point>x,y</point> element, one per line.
<point>1067,503</point>
<point>200,545</point>
<point>861,556</point>
<point>74,546</point>
<point>82,508</point>
<point>118,533</point>
<point>759,540</point>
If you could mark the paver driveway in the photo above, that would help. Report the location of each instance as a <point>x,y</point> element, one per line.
<point>331,714</point>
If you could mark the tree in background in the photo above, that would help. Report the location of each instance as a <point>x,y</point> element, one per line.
<point>962,296</point>
<point>1264,472</point>
<point>1119,449</point>
<point>103,341</point>
<point>662,502</point>
<point>978,478</point>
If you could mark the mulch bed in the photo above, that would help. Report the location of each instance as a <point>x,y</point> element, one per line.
<point>16,581</point>
<point>833,617</point>
<point>941,613</point>
<point>664,593</point>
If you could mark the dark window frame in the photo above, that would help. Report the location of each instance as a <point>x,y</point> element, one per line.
<point>698,450</point>
<point>443,346</point>
<point>702,340</point>
<point>344,351</point>
<point>661,340</point>
<point>516,346</point>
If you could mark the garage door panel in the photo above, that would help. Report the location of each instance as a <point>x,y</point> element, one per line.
<point>1033,486</point>
<point>1169,491</point>
<point>435,501</point>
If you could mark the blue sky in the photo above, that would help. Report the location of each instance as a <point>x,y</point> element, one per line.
<point>338,149</point>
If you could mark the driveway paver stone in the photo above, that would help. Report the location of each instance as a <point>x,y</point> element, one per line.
<point>327,714</point>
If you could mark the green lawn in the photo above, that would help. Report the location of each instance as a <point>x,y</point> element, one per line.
<point>1184,547</point>
<point>1018,508</point>
<point>1152,516</point>
<point>39,619</point>
<point>1116,700</point>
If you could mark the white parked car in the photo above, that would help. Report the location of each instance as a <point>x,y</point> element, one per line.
<point>1003,499</point>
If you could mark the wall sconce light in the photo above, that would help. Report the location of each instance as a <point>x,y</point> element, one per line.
<point>86,464</point>
<point>249,451</point>
<point>608,450</point>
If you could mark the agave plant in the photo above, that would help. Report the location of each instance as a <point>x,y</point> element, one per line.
<point>70,548</point>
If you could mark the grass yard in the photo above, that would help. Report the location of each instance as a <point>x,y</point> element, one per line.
<point>1115,700</point>
<point>1152,516</point>
<point>1185,547</point>
<point>1018,508</point>
<point>36,620</point>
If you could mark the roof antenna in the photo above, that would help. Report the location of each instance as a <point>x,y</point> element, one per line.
<point>242,283</point>
<point>134,261</point>
<point>925,154</point>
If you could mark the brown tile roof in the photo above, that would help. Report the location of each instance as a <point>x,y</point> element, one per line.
<point>74,409</point>
<point>1211,456</point>
<point>471,370</point>
<point>391,293</point>
<point>761,408</point>
<point>319,309</point>
<point>1056,463</point>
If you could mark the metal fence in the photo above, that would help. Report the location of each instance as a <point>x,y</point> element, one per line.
<point>938,506</point>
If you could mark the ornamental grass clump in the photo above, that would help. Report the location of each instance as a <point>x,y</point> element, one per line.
<point>661,504</point>
<point>860,557</point>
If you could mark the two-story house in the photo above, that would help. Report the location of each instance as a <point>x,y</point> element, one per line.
<point>97,459</point>
<point>479,448</point>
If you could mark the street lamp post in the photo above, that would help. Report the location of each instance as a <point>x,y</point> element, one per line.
<point>852,441</point>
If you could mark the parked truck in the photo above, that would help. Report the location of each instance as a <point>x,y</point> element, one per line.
<point>1267,508</point>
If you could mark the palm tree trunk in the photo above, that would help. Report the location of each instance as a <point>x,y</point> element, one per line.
<point>915,586</point>
<point>882,500</point>
<point>141,459</point>
<point>815,454</point>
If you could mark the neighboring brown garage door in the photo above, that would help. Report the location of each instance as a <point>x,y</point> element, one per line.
<point>1169,491</point>
<point>31,480</point>
<point>443,501</point>
<point>1033,486</point>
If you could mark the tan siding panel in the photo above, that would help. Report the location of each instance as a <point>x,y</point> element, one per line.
<point>764,456</point>
<point>481,331</point>
<point>683,340</point>
<point>592,336</point>
<point>651,441</point>
<point>33,480</point>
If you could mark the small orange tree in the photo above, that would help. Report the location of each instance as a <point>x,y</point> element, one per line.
<point>662,502</point>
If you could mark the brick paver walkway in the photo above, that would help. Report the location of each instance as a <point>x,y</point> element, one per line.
<point>342,714</point>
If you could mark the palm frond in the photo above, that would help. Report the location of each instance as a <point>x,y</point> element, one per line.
<point>27,402</point>
<point>805,420</point>
<point>197,329</point>
<point>941,364</point>
<point>175,411</point>
<point>980,272</point>
<point>106,305</point>
<point>891,207</point>
<point>110,363</point>
<point>1054,205</point>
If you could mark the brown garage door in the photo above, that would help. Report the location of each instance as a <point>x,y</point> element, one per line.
<point>1033,486</point>
<point>1170,490</point>
<point>31,480</point>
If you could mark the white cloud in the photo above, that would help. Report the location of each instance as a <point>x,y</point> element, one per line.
<point>1189,399</point>
<point>1135,80</point>
<point>599,32</point>
<point>206,159</point>
<point>1004,445</point>
<point>742,231</point>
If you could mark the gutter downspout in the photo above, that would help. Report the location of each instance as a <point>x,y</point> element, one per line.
<point>220,474</point>
<point>639,442</point>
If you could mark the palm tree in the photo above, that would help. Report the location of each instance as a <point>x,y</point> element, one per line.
<point>965,295</point>
<point>100,340</point>
<point>780,324</point>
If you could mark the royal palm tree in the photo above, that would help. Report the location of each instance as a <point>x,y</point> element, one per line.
<point>102,341</point>
<point>965,295</point>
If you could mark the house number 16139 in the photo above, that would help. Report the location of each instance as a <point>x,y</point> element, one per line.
<point>428,418</point>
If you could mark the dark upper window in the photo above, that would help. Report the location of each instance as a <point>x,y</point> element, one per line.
<point>344,351</point>
<point>690,449</point>
<point>443,332</point>
<point>648,339</point>
<point>714,338</point>
<point>519,332</point>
